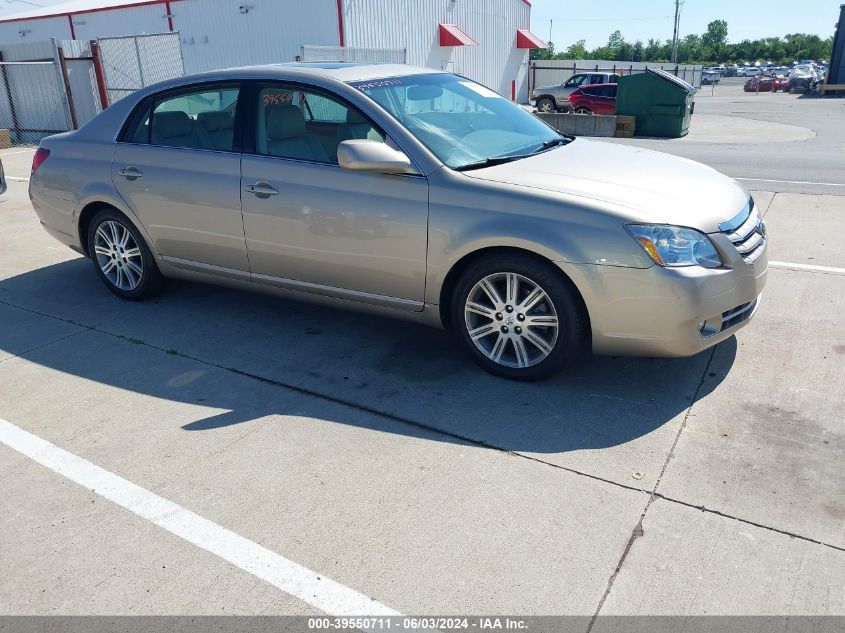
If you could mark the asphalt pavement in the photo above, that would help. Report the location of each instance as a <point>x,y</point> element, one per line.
<point>801,150</point>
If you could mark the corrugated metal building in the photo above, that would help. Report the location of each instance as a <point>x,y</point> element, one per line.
<point>486,40</point>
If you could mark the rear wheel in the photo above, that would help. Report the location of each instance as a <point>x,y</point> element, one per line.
<point>121,256</point>
<point>583,110</point>
<point>546,105</point>
<point>518,317</point>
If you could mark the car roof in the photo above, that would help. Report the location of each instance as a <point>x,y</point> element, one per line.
<point>341,71</point>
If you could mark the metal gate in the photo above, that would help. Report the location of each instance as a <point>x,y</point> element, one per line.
<point>360,55</point>
<point>33,102</point>
<point>136,61</point>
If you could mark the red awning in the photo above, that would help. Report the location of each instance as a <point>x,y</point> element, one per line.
<point>526,39</point>
<point>451,35</point>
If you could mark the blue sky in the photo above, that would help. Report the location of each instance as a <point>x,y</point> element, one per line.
<point>642,19</point>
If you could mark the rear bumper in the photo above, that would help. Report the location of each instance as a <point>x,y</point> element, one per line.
<point>57,217</point>
<point>660,311</point>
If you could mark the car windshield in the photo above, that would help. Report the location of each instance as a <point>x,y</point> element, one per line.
<point>460,121</point>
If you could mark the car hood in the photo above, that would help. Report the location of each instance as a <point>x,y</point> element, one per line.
<point>651,186</point>
<point>550,88</point>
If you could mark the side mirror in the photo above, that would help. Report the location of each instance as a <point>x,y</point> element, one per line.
<point>367,155</point>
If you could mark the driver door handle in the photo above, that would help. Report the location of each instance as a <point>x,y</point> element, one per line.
<point>131,172</point>
<point>262,190</point>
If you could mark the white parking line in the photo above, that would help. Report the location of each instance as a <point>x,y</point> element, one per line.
<point>820,269</point>
<point>16,179</point>
<point>20,151</point>
<point>796,182</point>
<point>292,578</point>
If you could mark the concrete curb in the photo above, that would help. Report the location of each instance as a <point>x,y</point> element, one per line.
<point>589,125</point>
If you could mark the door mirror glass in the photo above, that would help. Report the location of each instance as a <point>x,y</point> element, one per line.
<point>366,155</point>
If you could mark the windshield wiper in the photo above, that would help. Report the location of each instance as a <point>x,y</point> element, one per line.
<point>489,162</point>
<point>563,140</point>
<point>498,160</point>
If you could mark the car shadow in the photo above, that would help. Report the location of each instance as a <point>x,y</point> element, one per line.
<point>379,366</point>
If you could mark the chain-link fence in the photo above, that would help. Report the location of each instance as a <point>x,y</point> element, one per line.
<point>360,55</point>
<point>136,61</point>
<point>33,102</point>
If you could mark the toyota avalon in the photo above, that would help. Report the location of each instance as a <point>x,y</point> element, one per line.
<point>411,193</point>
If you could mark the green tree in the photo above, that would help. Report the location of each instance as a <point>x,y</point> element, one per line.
<point>578,50</point>
<point>715,39</point>
<point>710,47</point>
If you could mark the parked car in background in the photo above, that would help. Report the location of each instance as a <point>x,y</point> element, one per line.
<point>731,71</point>
<point>556,98</point>
<point>709,77</point>
<point>761,83</point>
<point>532,246</point>
<point>751,71</point>
<point>780,82</point>
<point>594,99</point>
<point>803,78</point>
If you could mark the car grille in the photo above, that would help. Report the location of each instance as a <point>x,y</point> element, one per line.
<point>747,232</point>
<point>737,315</point>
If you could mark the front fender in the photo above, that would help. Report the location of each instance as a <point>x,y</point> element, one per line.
<point>467,215</point>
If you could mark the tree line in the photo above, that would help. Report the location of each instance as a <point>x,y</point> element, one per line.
<point>711,47</point>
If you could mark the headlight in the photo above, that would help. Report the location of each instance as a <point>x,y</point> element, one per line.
<point>673,246</point>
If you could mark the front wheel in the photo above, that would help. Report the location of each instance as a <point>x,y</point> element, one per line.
<point>518,317</point>
<point>121,257</point>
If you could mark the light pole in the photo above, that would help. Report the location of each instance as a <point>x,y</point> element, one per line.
<point>675,34</point>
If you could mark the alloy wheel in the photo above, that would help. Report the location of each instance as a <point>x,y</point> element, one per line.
<point>511,320</point>
<point>118,255</point>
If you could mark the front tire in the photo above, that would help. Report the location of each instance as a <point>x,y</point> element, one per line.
<point>121,257</point>
<point>518,317</point>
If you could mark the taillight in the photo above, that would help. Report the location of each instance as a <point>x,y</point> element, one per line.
<point>41,155</point>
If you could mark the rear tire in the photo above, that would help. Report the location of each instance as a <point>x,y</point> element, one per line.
<point>121,257</point>
<point>583,110</point>
<point>518,317</point>
<point>546,105</point>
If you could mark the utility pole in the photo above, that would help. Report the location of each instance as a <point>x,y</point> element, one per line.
<point>550,37</point>
<point>677,28</point>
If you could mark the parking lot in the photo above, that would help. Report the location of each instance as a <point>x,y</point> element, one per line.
<point>215,452</point>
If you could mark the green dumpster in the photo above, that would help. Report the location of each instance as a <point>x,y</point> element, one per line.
<point>662,103</point>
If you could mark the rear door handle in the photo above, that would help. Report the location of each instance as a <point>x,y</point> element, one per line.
<point>131,172</point>
<point>262,190</point>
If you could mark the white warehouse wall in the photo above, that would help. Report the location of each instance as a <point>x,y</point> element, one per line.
<point>216,34</point>
<point>40,30</point>
<point>413,25</point>
<point>131,21</point>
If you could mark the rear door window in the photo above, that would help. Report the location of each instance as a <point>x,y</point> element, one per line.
<point>203,118</point>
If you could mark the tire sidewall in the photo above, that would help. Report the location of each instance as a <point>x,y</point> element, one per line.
<point>151,277</point>
<point>572,327</point>
<point>546,100</point>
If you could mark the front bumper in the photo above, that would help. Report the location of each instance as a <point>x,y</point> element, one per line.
<point>660,311</point>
